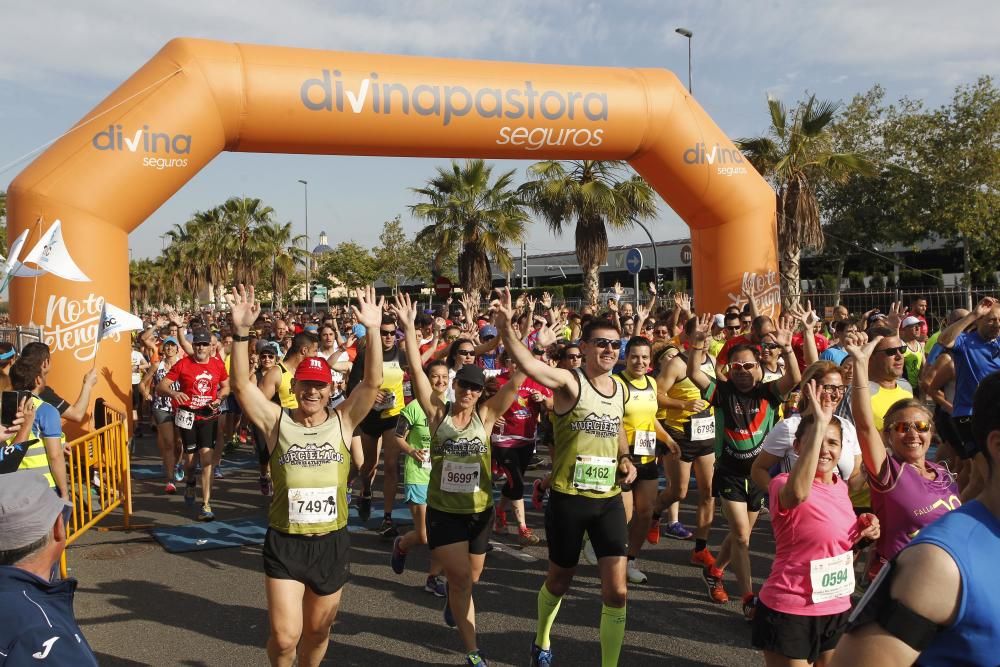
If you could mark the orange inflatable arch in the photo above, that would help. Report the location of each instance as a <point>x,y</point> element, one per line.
<point>196,98</point>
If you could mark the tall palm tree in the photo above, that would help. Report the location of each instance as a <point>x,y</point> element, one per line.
<point>795,156</point>
<point>466,209</point>
<point>240,237</point>
<point>286,253</point>
<point>594,195</point>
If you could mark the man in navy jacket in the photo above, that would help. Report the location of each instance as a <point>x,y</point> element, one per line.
<point>37,625</point>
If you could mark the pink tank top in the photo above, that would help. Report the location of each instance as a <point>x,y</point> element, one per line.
<point>905,502</point>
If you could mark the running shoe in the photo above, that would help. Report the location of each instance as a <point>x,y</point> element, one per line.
<point>749,606</point>
<point>476,659</point>
<point>535,462</point>
<point>653,535</point>
<point>588,551</point>
<point>398,558</point>
<point>500,523</point>
<point>449,618</point>
<point>435,585</point>
<point>677,531</point>
<point>364,508</point>
<point>178,473</point>
<point>713,580</point>
<point>703,558</point>
<point>217,472</point>
<point>266,485</point>
<point>206,513</point>
<point>189,494</point>
<point>537,495</point>
<point>634,574</point>
<point>526,537</point>
<point>388,529</point>
<point>540,657</point>
<point>170,489</point>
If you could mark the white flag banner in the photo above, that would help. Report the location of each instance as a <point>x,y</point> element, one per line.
<point>115,320</point>
<point>51,255</point>
<point>15,249</point>
<point>22,271</point>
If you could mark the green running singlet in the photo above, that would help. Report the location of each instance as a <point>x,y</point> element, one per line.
<point>461,477</point>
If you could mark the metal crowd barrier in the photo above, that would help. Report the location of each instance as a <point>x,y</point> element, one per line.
<point>98,477</point>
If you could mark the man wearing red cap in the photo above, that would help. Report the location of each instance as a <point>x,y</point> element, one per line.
<point>306,547</point>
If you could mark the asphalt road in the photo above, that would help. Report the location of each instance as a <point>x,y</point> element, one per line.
<point>139,605</point>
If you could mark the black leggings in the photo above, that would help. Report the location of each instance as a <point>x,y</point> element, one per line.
<point>514,462</point>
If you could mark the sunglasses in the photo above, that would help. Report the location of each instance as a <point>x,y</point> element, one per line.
<point>451,337</point>
<point>904,427</point>
<point>769,346</point>
<point>386,334</point>
<point>202,344</point>
<point>537,352</point>
<point>746,365</point>
<point>609,343</point>
<point>468,386</point>
<point>834,389</point>
<point>893,351</point>
<point>467,353</point>
<point>573,357</point>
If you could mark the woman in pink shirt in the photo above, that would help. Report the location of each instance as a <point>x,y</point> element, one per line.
<point>803,606</point>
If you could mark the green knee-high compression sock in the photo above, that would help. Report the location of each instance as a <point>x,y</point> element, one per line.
<point>548,607</point>
<point>612,634</point>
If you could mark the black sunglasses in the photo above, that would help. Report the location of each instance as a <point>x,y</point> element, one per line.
<point>612,343</point>
<point>467,353</point>
<point>386,334</point>
<point>893,351</point>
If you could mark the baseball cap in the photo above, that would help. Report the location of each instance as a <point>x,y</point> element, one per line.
<point>875,317</point>
<point>28,508</point>
<point>472,375</point>
<point>719,321</point>
<point>269,346</point>
<point>359,330</point>
<point>488,330</point>
<point>314,369</point>
<point>171,339</point>
<point>910,321</point>
<point>312,328</point>
<point>201,336</point>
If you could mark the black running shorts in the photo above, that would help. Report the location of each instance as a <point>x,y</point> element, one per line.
<point>796,637</point>
<point>320,562</point>
<point>374,425</point>
<point>568,517</point>
<point>737,489</point>
<point>200,436</point>
<point>644,472</point>
<point>444,528</point>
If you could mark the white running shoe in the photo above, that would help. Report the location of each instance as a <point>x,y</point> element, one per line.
<point>635,575</point>
<point>588,551</point>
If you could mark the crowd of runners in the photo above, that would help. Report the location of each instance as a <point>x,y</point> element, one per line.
<point>869,439</point>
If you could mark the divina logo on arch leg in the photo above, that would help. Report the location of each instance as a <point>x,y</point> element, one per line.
<point>728,161</point>
<point>332,93</point>
<point>149,142</point>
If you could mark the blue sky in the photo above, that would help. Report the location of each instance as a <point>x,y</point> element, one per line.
<point>59,59</point>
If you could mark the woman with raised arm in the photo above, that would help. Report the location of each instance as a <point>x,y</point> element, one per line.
<point>804,603</point>
<point>908,492</point>
<point>306,547</point>
<point>460,491</point>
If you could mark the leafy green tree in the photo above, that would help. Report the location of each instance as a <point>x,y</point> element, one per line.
<point>467,209</point>
<point>349,264</point>
<point>593,195</point>
<point>795,155</point>
<point>396,256</point>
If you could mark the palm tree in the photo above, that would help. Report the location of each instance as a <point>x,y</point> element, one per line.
<point>594,194</point>
<point>240,238</point>
<point>795,156</point>
<point>286,253</point>
<point>466,209</point>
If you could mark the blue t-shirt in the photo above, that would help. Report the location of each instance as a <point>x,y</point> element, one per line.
<point>834,354</point>
<point>971,536</point>
<point>47,422</point>
<point>975,359</point>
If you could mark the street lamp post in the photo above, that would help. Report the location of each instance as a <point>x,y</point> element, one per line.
<point>312,306</point>
<point>687,33</point>
<point>652,247</point>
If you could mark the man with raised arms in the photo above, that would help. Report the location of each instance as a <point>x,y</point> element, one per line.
<point>306,547</point>
<point>590,460</point>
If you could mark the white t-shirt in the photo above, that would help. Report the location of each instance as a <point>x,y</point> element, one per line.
<point>779,442</point>
<point>137,361</point>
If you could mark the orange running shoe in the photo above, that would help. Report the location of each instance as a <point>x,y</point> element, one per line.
<point>653,536</point>
<point>713,580</point>
<point>703,558</point>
